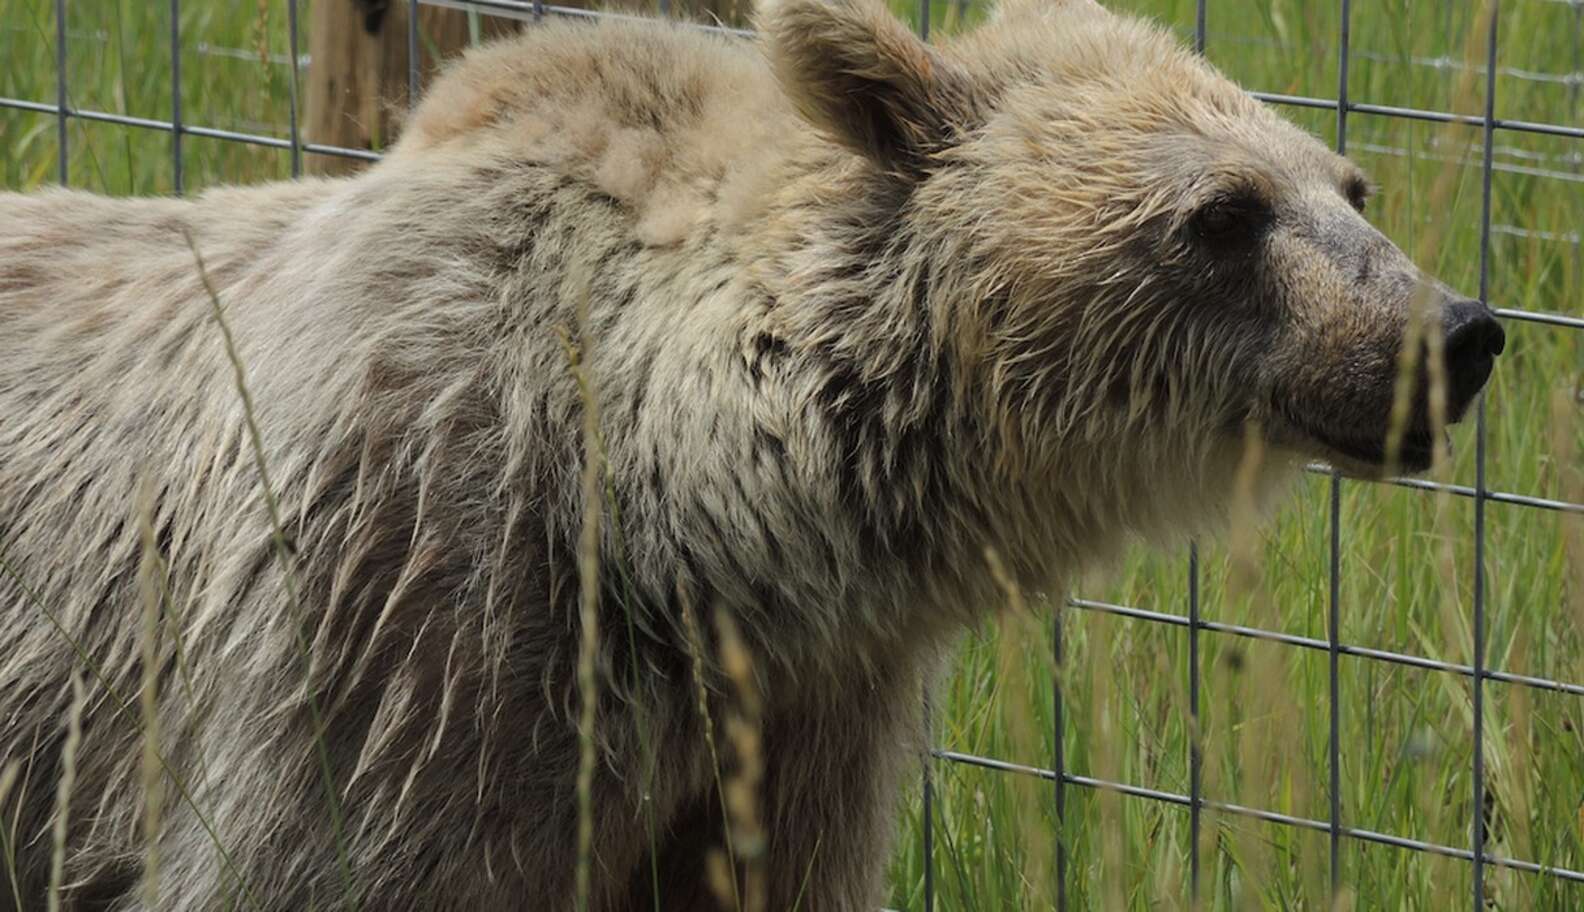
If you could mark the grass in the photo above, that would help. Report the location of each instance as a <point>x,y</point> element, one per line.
<point>1406,555</point>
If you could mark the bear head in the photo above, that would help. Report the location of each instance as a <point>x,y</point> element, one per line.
<point>1137,242</point>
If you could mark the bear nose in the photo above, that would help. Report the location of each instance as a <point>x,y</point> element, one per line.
<point>1473,340</point>
<point>1472,333</point>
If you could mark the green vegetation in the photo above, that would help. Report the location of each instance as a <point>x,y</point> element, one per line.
<point>1407,555</point>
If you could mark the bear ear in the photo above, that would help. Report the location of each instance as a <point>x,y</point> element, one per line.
<point>858,74</point>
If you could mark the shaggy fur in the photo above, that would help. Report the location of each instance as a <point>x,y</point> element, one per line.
<point>857,310</point>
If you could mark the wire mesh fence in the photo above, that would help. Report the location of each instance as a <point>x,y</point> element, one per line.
<point>1483,155</point>
<point>1193,621</point>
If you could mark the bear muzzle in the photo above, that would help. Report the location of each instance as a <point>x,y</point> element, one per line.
<point>1472,338</point>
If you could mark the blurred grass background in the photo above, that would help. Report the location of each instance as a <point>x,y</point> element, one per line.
<point>1407,555</point>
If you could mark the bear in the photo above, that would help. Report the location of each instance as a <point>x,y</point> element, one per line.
<point>632,443</point>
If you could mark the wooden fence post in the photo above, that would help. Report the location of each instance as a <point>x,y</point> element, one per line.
<point>357,76</point>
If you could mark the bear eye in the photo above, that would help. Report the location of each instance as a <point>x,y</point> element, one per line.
<point>1232,218</point>
<point>1358,192</point>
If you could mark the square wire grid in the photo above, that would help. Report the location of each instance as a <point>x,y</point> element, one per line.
<point>1193,621</point>
<point>1334,826</point>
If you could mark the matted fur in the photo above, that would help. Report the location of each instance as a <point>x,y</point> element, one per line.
<point>854,315</point>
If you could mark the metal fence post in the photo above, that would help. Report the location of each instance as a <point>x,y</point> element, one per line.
<point>1195,745</point>
<point>1334,561</point>
<point>1195,741</point>
<point>61,105</point>
<point>413,8</point>
<point>293,90</point>
<point>1059,779</point>
<point>176,97</point>
<point>1478,661</point>
<point>929,731</point>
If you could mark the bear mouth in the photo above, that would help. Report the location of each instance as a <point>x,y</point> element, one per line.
<point>1415,452</point>
<point>1356,451</point>
<point>1366,455</point>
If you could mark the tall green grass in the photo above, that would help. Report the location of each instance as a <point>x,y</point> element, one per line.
<point>1407,556</point>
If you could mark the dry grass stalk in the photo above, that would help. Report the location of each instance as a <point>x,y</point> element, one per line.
<point>1268,713</point>
<point>588,559</point>
<point>1105,738</point>
<point>722,876</point>
<point>284,556</point>
<point>1017,630</point>
<point>744,726</point>
<point>1566,405</point>
<point>63,791</point>
<point>1244,538</point>
<point>151,575</point>
<point>261,33</point>
<point>721,870</point>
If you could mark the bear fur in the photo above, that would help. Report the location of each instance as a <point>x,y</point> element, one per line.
<point>847,311</point>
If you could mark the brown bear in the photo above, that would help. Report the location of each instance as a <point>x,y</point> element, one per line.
<point>797,330</point>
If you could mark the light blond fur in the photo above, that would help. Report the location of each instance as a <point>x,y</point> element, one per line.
<point>858,309</point>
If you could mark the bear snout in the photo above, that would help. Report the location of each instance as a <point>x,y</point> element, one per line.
<point>1472,338</point>
<point>1363,426</point>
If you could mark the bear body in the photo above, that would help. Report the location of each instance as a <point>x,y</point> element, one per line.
<point>852,318</point>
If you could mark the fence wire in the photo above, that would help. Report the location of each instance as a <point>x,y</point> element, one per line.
<point>1334,826</point>
<point>1058,774</point>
